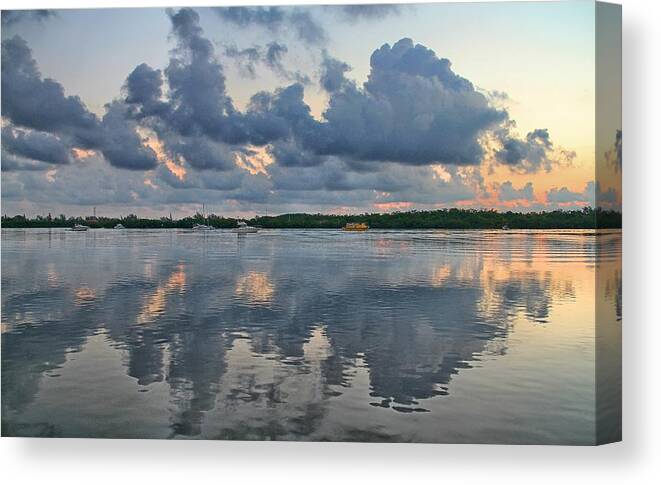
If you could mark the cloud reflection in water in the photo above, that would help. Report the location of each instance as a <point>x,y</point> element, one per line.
<point>404,336</point>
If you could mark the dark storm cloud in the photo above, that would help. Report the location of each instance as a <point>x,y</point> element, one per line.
<point>29,101</point>
<point>198,101</point>
<point>198,120</point>
<point>144,87</point>
<point>289,154</point>
<point>122,146</point>
<point>507,192</point>
<point>276,20</point>
<point>202,153</point>
<point>35,145</point>
<point>40,104</point>
<point>285,105</point>
<point>373,144</point>
<point>198,106</point>
<point>11,17</point>
<point>531,154</point>
<point>413,109</point>
<point>197,91</point>
<point>11,163</point>
<point>332,76</point>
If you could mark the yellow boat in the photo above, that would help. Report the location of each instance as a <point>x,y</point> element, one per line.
<point>356,226</point>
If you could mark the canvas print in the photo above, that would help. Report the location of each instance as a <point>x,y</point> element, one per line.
<point>376,223</point>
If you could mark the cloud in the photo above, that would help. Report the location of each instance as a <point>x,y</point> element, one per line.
<point>528,155</point>
<point>246,59</point>
<point>198,117</point>
<point>276,20</point>
<point>413,133</point>
<point>372,11</point>
<point>614,154</point>
<point>198,101</point>
<point>11,17</point>
<point>273,59</point>
<point>497,95</point>
<point>270,17</point>
<point>564,195</point>
<point>270,56</point>
<point>307,28</point>
<point>40,104</point>
<point>334,182</point>
<point>300,21</point>
<point>606,199</point>
<point>202,153</point>
<point>11,162</point>
<point>35,145</point>
<point>413,109</point>
<point>29,101</point>
<point>507,192</point>
<point>593,194</point>
<point>289,154</point>
<point>122,146</point>
<point>144,88</point>
<point>332,76</point>
<point>96,183</point>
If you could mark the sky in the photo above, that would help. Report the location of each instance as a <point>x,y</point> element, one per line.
<point>342,109</point>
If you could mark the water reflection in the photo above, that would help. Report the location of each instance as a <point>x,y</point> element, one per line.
<point>155,304</point>
<point>403,336</point>
<point>83,296</point>
<point>255,287</point>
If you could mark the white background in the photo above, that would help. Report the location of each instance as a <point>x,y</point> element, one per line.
<point>636,460</point>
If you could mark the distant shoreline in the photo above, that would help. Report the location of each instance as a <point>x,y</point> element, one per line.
<point>586,218</point>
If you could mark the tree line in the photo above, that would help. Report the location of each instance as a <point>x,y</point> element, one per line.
<point>586,218</point>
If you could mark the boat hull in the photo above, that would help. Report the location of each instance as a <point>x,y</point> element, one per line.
<point>202,227</point>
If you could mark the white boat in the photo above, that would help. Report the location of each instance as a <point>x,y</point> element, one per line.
<point>79,227</point>
<point>244,228</point>
<point>119,226</point>
<point>202,227</point>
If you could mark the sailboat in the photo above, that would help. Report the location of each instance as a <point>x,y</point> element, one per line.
<point>203,227</point>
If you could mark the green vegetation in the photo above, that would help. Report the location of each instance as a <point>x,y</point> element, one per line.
<point>586,218</point>
<point>130,222</point>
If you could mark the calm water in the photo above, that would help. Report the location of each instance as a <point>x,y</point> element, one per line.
<point>426,336</point>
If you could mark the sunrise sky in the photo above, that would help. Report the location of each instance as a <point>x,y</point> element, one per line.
<point>315,109</point>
